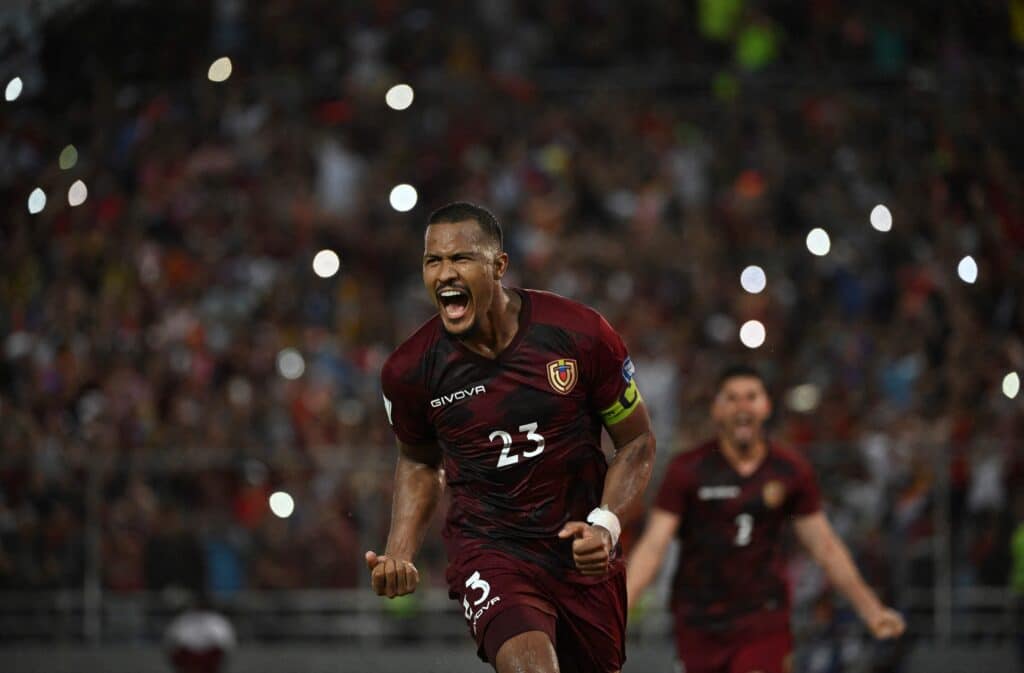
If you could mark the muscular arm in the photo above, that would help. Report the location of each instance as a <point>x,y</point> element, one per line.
<point>649,553</point>
<point>624,486</point>
<point>816,534</point>
<point>418,487</point>
<point>630,470</point>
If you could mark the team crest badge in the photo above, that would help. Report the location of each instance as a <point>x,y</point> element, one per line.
<point>774,493</point>
<point>562,375</point>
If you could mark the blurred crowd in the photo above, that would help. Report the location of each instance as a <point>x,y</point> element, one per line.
<point>639,155</point>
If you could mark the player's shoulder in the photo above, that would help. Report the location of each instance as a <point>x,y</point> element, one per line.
<point>409,356</point>
<point>554,309</point>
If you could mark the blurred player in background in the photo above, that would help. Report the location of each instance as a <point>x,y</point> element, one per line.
<point>199,639</point>
<point>727,502</point>
<point>502,397</point>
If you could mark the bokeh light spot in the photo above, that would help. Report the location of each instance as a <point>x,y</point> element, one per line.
<point>68,157</point>
<point>282,504</point>
<point>818,242</point>
<point>220,69</point>
<point>399,97</point>
<point>77,193</point>
<point>881,218</point>
<point>290,363</point>
<point>967,269</point>
<point>753,279</point>
<point>14,89</point>
<point>36,201</point>
<point>403,198</point>
<point>326,263</point>
<point>1011,385</point>
<point>752,333</point>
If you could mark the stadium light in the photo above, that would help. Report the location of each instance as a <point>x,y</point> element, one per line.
<point>68,157</point>
<point>281,504</point>
<point>403,198</point>
<point>290,364</point>
<point>1011,385</point>
<point>818,242</point>
<point>753,279</point>
<point>752,334</point>
<point>881,218</point>
<point>967,269</point>
<point>13,90</point>
<point>36,201</point>
<point>399,97</point>
<point>220,69</point>
<point>804,398</point>
<point>77,193</point>
<point>326,263</point>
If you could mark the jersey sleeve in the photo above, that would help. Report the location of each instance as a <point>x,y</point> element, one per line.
<point>405,404</point>
<point>672,493</point>
<point>807,495</point>
<point>613,387</point>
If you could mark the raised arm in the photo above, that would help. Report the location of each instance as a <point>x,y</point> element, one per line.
<point>816,534</point>
<point>418,487</point>
<point>649,552</point>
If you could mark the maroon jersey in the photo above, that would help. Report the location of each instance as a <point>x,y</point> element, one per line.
<point>520,434</point>
<point>731,560</point>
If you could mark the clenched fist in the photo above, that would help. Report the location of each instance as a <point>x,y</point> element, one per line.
<point>886,624</point>
<point>390,576</point>
<point>591,546</point>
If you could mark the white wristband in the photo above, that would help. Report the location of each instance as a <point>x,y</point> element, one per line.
<point>605,518</point>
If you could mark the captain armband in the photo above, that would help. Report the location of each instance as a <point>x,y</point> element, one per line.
<point>620,410</point>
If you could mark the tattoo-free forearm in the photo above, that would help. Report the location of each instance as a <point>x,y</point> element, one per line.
<point>628,475</point>
<point>642,568</point>
<point>845,577</point>
<point>418,489</point>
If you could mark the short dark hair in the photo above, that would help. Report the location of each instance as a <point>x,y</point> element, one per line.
<point>739,370</point>
<point>460,211</point>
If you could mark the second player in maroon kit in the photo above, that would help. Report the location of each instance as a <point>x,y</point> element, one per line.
<point>728,503</point>
<point>732,524</point>
<point>532,527</point>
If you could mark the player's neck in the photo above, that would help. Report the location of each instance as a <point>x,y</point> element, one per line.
<point>745,460</point>
<point>498,326</point>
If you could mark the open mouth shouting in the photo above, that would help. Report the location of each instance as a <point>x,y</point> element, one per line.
<point>454,303</point>
<point>743,427</point>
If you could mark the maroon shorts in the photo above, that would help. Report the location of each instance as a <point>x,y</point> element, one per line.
<point>702,651</point>
<point>502,597</point>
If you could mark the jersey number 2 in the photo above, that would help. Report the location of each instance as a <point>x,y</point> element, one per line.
<point>507,458</point>
<point>744,526</point>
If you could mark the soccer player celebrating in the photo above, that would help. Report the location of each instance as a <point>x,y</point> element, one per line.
<point>727,501</point>
<point>502,396</point>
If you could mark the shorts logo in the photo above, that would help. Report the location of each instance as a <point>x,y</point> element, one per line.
<point>562,375</point>
<point>774,493</point>
<point>473,613</point>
